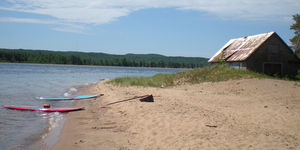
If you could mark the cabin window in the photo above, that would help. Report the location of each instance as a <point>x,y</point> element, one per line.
<point>243,65</point>
<point>235,65</point>
<point>273,49</point>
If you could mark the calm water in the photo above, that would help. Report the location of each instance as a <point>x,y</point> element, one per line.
<point>21,83</point>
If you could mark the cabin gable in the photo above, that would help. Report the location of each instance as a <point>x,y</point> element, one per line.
<point>264,53</point>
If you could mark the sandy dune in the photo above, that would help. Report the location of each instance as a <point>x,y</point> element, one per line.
<point>238,114</point>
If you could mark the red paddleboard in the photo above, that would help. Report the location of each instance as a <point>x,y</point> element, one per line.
<point>43,109</point>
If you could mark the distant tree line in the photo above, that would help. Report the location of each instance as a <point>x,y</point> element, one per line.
<point>82,58</point>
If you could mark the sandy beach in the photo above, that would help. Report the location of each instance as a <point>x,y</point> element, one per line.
<point>235,114</point>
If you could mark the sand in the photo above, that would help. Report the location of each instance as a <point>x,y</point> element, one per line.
<point>236,114</point>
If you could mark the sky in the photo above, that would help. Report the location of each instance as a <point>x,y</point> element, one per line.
<point>191,28</point>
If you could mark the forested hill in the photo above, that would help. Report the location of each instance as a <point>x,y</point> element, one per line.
<point>103,59</point>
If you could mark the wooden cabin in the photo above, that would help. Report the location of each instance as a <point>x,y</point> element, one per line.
<point>263,53</point>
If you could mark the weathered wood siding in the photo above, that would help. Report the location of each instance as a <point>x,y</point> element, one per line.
<point>273,53</point>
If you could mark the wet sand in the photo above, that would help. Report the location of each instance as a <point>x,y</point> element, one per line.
<point>236,114</point>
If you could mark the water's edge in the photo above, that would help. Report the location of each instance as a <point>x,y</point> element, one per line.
<point>51,137</point>
<point>20,84</point>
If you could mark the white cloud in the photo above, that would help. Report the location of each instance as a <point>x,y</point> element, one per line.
<point>66,27</point>
<point>104,11</point>
<point>73,29</point>
<point>27,20</point>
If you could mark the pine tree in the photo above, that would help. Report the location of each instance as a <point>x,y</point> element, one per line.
<point>296,39</point>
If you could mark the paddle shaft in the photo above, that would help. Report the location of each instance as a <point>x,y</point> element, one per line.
<point>125,100</point>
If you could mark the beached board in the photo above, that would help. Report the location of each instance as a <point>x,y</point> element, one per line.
<point>72,98</point>
<point>43,109</point>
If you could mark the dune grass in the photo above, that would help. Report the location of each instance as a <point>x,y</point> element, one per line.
<point>213,73</point>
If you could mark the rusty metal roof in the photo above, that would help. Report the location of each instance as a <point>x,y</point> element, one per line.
<point>241,48</point>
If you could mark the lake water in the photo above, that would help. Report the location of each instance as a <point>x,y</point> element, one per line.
<point>20,84</point>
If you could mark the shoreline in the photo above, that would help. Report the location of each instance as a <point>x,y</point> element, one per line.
<point>96,66</point>
<point>45,81</point>
<point>86,89</point>
<point>235,114</point>
<point>48,138</point>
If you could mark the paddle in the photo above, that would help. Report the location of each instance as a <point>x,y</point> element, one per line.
<point>145,98</point>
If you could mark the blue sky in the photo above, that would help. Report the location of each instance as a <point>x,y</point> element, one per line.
<point>197,28</point>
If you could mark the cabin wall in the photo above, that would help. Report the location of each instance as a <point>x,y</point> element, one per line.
<point>273,57</point>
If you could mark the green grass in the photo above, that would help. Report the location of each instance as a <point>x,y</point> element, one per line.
<point>213,73</point>
<point>298,75</point>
